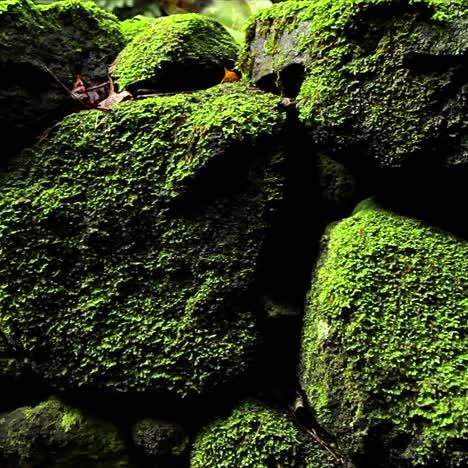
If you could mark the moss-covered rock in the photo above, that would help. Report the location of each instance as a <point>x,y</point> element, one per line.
<point>159,438</point>
<point>338,189</point>
<point>133,26</point>
<point>130,241</point>
<point>54,435</point>
<point>180,52</point>
<point>255,435</point>
<point>384,80</point>
<point>384,349</point>
<point>42,49</point>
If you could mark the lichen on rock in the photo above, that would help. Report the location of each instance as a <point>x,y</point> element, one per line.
<point>255,434</point>
<point>180,52</point>
<point>55,435</point>
<point>384,349</point>
<point>130,239</point>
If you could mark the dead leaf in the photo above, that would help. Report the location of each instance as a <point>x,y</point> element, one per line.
<point>113,97</point>
<point>229,76</point>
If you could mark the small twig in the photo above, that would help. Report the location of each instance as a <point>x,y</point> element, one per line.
<point>313,434</point>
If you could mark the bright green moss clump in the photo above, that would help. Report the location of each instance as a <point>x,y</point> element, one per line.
<point>134,26</point>
<point>255,435</point>
<point>177,52</point>
<point>384,79</point>
<point>384,350</point>
<point>130,240</point>
<point>54,435</point>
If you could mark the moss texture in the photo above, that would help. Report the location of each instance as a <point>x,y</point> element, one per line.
<point>53,435</point>
<point>130,239</point>
<point>133,26</point>
<point>42,49</point>
<point>384,79</point>
<point>255,435</point>
<point>338,188</point>
<point>177,52</point>
<point>158,438</point>
<point>384,348</point>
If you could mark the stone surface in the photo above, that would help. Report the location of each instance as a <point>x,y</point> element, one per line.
<point>384,349</point>
<point>159,438</point>
<point>130,239</point>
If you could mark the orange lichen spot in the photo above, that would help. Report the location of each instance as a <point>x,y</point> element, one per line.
<point>229,76</point>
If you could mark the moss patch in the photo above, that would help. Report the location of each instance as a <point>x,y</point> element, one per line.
<point>38,436</point>
<point>384,78</point>
<point>130,240</point>
<point>384,349</point>
<point>255,435</point>
<point>42,49</point>
<point>177,52</point>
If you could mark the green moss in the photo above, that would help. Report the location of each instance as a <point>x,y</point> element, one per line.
<point>130,240</point>
<point>337,188</point>
<point>370,87</point>
<point>182,51</point>
<point>42,49</point>
<point>384,348</point>
<point>255,435</point>
<point>38,436</point>
<point>158,438</point>
<point>134,26</point>
<point>68,30</point>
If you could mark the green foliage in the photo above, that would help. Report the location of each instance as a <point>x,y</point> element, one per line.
<point>177,52</point>
<point>370,86</point>
<point>255,435</point>
<point>54,435</point>
<point>384,350</point>
<point>130,239</point>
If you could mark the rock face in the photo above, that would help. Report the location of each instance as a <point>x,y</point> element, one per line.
<point>53,435</point>
<point>255,435</point>
<point>42,49</point>
<point>131,239</point>
<point>159,438</point>
<point>180,52</point>
<point>385,81</point>
<point>384,344</point>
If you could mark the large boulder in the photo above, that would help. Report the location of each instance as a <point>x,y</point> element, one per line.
<point>130,241</point>
<point>380,83</point>
<point>384,347</point>
<point>180,52</point>
<point>55,435</point>
<point>42,50</point>
<point>255,434</point>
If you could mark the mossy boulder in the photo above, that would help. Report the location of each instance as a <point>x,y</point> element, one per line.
<point>384,347</point>
<point>54,435</point>
<point>256,435</point>
<point>180,52</point>
<point>130,241</point>
<point>158,438</point>
<point>380,82</point>
<point>42,50</point>
<point>133,26</point>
